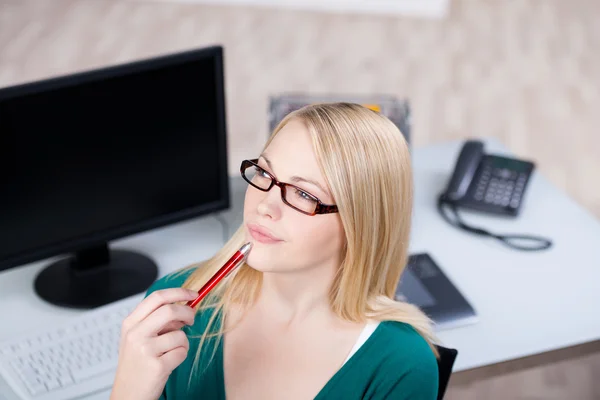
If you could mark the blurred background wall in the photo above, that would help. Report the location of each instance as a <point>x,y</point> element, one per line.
<point>526,72</point>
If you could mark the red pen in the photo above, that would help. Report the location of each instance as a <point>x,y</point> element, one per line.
<point>221,273</point>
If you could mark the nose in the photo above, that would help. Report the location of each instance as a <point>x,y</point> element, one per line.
<point>271,203</point>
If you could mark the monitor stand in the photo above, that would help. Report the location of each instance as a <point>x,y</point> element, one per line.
<point>95,276</point>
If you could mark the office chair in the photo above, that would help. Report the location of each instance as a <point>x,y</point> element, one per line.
<point>445,364</point>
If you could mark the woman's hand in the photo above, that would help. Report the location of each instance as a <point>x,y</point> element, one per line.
<point>152,344</point>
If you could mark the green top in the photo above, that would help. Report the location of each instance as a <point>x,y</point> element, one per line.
<point>394,363</point>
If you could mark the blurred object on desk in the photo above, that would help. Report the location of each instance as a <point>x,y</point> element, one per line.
<point>398,111</point>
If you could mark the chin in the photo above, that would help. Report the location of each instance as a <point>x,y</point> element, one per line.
<point>258,260</point>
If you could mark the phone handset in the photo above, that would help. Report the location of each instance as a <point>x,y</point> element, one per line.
<point>466,166</point>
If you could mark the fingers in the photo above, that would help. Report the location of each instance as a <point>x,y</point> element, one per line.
<point>165,315</point>
<point>172,359</point>
<point>171,326</point>
<point>155,300</point>
<point>170,341</point>
<point>152,343</point>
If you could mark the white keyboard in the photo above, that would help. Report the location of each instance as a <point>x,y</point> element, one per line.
<point>69,360</point>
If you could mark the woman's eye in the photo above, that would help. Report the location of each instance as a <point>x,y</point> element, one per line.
<point>261,172</point>
<point>304,196</point>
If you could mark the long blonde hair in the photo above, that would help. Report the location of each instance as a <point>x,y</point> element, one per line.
<point>366,163</point>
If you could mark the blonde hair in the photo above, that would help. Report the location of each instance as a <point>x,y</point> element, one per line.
<point>366,163</point>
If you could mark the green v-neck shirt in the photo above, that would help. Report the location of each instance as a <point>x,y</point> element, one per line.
<point>394,363</point>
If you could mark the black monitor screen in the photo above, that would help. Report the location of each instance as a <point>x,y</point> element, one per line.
<point>101,157</point>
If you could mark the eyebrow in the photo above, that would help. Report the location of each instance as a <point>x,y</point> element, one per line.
<point>296,178</point>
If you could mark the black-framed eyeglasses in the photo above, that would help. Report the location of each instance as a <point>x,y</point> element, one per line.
<point>295,197</point>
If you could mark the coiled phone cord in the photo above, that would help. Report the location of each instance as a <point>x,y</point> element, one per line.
<point>510,240</point>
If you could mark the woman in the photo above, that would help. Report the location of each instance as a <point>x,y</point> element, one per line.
<point>311,312</point>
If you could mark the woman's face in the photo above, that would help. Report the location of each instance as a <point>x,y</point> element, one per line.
<point>303,241</point>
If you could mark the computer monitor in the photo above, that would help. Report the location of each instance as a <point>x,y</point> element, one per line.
<point>103,154</point>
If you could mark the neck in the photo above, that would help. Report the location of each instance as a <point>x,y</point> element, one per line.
<point>292,297</point>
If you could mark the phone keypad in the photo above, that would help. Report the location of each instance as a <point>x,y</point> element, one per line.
<point>500,186</point>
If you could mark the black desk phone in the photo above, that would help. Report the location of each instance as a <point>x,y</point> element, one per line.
<point>491,184</point>
<point>488,183</point>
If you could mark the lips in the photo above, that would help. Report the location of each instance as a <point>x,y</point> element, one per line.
<point>262,234</point>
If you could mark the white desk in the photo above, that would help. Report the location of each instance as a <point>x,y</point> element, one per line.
<point>527,303</point>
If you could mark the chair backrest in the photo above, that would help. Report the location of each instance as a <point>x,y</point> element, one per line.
<point>445,364</point>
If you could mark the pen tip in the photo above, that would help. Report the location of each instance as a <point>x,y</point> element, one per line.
<point>246,248</point>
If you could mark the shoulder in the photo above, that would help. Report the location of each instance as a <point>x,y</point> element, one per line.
<point>404,340</point>
<point>410,364</point>
<point>171,280</point>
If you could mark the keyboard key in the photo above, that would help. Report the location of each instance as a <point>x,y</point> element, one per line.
<point>65,378</point>
<point>52,384</point>
<point>36,388</point>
